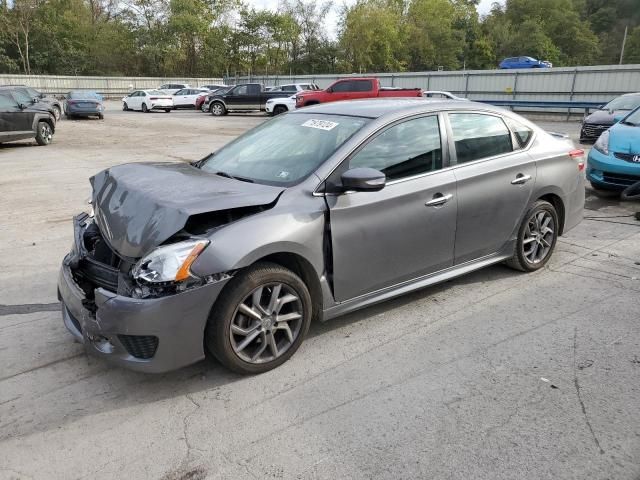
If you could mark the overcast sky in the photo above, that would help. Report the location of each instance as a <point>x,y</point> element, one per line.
<point>332,19</point>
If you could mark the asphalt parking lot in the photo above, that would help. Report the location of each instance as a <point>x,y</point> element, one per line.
<point>496,375</point>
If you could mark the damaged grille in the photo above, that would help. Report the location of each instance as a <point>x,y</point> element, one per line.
<point>140,346</point>
<point>100,267</point>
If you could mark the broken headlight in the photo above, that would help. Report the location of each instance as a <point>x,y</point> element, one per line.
<point>170,263</point>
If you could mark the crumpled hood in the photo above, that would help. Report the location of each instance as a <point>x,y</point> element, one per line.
<point>624,139</point>
<point>604,117</point>
<point>140,205</point>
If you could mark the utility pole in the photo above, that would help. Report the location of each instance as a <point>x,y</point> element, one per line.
<point>624,41</point>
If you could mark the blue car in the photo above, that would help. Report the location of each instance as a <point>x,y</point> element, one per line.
<point>614,160</point>
<point>83,103</point>
<point>523,62</point>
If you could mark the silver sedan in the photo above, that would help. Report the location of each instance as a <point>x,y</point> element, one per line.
<point>313,214</point>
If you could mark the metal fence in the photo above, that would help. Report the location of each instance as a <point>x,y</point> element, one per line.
<point>107,86</point>
<point>591,84</point>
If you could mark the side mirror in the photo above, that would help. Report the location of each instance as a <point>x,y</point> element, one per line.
<point>363,180</point>
<point>618,117</point>
<point>22,106</point>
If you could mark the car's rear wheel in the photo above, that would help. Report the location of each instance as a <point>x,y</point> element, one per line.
<point>101,116</point>
<point>144,108</point>
<point>218,109</point>
<point>44,135</point>
<point>57,113</point>
<point>537,238</point>
<point>260,319</point>
<point>280,109</point>
<point>167,110</point>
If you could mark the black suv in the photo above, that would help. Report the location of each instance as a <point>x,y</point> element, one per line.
<point>19,121</point>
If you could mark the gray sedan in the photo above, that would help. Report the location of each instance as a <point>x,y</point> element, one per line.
<point>311,215</point>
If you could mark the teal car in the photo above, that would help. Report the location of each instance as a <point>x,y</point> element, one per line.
<point>614,160</point>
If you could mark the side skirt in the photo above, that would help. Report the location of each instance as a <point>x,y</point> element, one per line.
<point>422,282</point>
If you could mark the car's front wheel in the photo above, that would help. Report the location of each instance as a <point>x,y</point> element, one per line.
<point>279,109</point>
<point>125,107</point>
<point>44,135</point>
<point>218,109</point>
<point>537,238</point>
<point>260,319</point>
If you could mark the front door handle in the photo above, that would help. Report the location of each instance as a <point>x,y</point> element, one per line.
<point>520,179</point>
<point>439,199</point>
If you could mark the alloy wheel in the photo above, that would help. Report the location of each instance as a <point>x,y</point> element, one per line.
<point>266,323</point>
<point>217,109</point>
<point>45,132</point>
<point>538,237</point>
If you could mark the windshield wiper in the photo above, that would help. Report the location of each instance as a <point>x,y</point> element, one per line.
<point>631,124</point>
<point>233,177</point>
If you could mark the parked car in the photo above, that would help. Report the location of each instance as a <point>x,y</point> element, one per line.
<point>187,97</point>
<point>83,103</point>
<point>614,160</point>
<point>24,97</point>
<point>309,216</point>
<point>351,89</point>
<point>172,88</point>
<point>276,106</point>
<point>147,100</point>
<point>594,124</point>
<point>523,62</point>
<point>213,86</point>
<point>54,104</point>
<point>440,95</point>
<point>244,97</point>
<point>205,104</point>
<point>20,121</point>
<point>295,87</point>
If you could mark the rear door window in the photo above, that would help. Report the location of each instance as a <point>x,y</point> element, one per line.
<point>403,150</point>
<point>362,86</point>
<point>478,136</point>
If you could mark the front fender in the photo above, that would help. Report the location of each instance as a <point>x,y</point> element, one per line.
<point>287,228</point>
<point>39,117</point>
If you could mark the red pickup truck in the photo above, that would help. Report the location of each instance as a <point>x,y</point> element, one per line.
<point>351,89</point>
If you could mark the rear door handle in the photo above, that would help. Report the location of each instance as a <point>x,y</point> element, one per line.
<point>439,199</point>
<point>520,179</point>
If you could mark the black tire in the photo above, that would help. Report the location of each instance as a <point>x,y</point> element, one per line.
<point>101,116</point>
<point>279,109</point>
<point>144,108</point>
<point>524,260</point>
<point>57,113</point>
<point>44,135</point>
<point>167,110</point>
<point>125,107</point>
<point>218,334</point>
<point>217,109</point>
<point>631,193</point>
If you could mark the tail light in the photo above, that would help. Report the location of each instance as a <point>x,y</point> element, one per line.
<point>578,155</point>
<point>71,102</point>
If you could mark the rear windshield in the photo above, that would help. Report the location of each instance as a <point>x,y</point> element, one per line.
<point>285,150</point>
<point>156,92</point>
<point>626,102</point>
<point>85,95</point>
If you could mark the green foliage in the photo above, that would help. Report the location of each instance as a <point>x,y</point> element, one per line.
<point>229,37</point>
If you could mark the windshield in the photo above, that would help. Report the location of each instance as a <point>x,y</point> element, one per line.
<point>626,102</point>
<point>633,119</point>
<point>22,96</point>
<point>284,150</point>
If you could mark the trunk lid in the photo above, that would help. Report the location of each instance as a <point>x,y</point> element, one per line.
<point>138,206</point>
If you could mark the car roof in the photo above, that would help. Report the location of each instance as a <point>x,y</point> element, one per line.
<point>376,108</point>
<point>630,94</point>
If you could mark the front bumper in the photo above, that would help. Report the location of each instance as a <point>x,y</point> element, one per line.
<point>150,335</point>
<point>268,107</point>
<point>609,172</point>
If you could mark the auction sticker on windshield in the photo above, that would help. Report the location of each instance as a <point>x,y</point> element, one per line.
<point>320,124</point>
